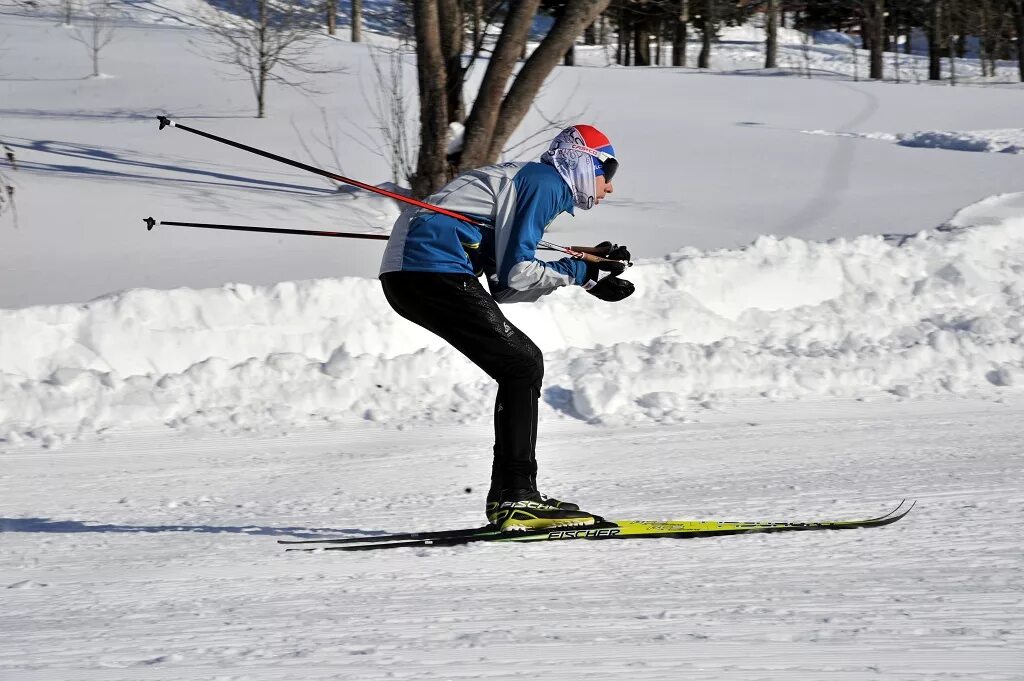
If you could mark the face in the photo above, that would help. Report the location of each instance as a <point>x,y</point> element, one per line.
<point>603,188</point>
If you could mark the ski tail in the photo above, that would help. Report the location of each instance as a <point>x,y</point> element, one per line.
<point>393,536</point>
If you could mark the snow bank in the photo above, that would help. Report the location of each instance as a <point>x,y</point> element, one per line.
<point>1007,141</point>
<point>1003,141</point>
<point>938,312</point>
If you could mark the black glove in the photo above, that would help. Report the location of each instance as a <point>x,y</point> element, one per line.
<point>609,287</point>
<point>612,289</point>
<point>606,249</point>
<point>594,269</point>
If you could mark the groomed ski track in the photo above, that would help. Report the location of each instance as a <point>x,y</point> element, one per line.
<point>153,555</point>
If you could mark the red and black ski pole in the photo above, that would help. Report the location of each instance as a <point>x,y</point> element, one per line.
<point>583,253</point>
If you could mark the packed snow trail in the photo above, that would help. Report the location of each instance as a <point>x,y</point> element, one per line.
<point>155,555</point>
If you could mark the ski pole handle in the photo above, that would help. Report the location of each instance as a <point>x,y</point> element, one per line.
<point>590,254</point>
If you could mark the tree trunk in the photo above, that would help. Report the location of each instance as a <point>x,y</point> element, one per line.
<point>707,32</point>
<point>357,21</point>
<point>658,44</point>
<point>262,69</point>
<point>935,43</point>
<point>590,34</point>
<point>523,91</point>
<point>332,17</point>
<point>261,89</point>
<point>430,72</point>
<point>679,34</point>
<point>484,114</point>
<point>452,37</point>
<point>641,45</point>
<point>478,18</point>
<point>1018,15</point>
<point>771,46</point>
<point>625,18</point>
<point>570,56</point>
<point>877,26</point>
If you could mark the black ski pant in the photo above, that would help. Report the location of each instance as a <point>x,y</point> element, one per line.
<point>458,309</point>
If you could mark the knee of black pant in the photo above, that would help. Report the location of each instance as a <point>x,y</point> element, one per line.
<point>527,368</point>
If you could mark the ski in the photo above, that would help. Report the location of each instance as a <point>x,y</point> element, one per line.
<point>396,536</point>
<point>605,529</point>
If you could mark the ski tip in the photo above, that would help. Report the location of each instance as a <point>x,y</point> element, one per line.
<point>165,121</point>
<point>150,222</point>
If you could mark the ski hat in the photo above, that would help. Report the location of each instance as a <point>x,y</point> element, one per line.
<point>596,140</point>
<point>579,154</point>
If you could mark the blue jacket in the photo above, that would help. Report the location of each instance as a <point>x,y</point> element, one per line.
<point>516,201</point>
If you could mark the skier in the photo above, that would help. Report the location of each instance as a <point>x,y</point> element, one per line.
<point>430,272</point>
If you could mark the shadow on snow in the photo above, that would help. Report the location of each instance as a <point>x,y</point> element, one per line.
<point>51,526</point>
<point>96,154</point>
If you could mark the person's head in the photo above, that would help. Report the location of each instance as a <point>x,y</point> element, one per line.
<point>585,158</point>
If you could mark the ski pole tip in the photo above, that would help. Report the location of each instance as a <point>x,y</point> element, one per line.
<point>150,222</point>
<point>164,121</point>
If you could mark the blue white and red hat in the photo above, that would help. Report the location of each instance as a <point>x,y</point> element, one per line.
<point>598,141</point>
<point>581,153</point>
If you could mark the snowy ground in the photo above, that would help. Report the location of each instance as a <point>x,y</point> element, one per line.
<point>154,557</point>
<point>829,317</point>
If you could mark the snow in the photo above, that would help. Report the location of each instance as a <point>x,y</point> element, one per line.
<point>158,559</point>
<point>710,160</point>
<point>939,312</point>
<point>1009,141</point>
<point>823,325</point>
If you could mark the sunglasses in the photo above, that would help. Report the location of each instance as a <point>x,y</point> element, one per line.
<point>609,163</point>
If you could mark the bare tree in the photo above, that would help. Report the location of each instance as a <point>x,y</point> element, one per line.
<point>874,34</point>
<point>992,22</point>
<point>771,30</point>
<point>513,106</point>
<point>680,21</point>
<point>1018,21</point>
<point>389,102</point>
<point>452,41</point>
<point>263,40</point>
<point>431,171</point>
<point>498,108</point>
<point>708,26</point>
<point>98,33</point>
<point>357,21</point>
<point>331,9</point>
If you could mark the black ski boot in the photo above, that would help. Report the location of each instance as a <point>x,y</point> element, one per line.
<point>525,509</point>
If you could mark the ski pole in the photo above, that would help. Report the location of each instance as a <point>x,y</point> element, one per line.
<point>582,253</point>
<point>165,121</point>
<point>152,222</point>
